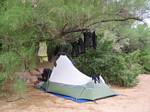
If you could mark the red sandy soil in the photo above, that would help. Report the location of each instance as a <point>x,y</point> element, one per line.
<point>136,99</point>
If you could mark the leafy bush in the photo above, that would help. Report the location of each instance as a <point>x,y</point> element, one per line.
<point>145,60</point>
<point>139,40</point>
<point>11,63</point>
<point>116,68</point>
<point>146,63</point>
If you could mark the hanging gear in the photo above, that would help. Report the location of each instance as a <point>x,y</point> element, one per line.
<point>81,46</point>
<point>90,39</point>
<point>42,53</point>
<point>66,48</point>
<point>1,45</point>
<point>94,40</point>
<point>75,49</point>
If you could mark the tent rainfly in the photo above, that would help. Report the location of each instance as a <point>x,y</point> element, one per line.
<point>67,80</point>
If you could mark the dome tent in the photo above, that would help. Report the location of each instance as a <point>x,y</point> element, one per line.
<point>67,80</point>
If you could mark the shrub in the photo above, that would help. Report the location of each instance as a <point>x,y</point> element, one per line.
<point>116,68</point>
<point>11,63</point>
<point>145,60</point>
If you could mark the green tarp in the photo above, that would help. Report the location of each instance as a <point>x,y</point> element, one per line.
<point>90,91</point>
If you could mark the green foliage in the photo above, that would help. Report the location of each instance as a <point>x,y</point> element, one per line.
<point>10,64</point>
<point>116,68</point>
<point>145,60</point>
<point>139,39</point>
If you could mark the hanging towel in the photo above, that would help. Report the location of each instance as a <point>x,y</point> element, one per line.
<point>42,53</point>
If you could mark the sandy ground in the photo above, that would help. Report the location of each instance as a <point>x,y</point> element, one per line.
<point>135,99</point>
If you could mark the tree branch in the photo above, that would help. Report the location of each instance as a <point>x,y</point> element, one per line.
<point>102,21</point>
<point>73,31</point>
<point>116,20</point>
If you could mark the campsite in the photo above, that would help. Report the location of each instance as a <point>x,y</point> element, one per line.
<point>131,99</point>
<point>74,55</point>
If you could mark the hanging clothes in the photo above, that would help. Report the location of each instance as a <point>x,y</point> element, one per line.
<point>75,49</point>
<point>57,50</point>
<point>81,46</point>
<point>90,39</point>
<point>0,46</point>
<point>42,52</point>
<point>62,49</point>
<point>94,37</point>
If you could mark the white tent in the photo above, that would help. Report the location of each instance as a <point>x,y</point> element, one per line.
<point>65,72</point>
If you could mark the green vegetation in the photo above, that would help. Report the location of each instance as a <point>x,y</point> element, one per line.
<point>116,67</point>
<point>122,53</point>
